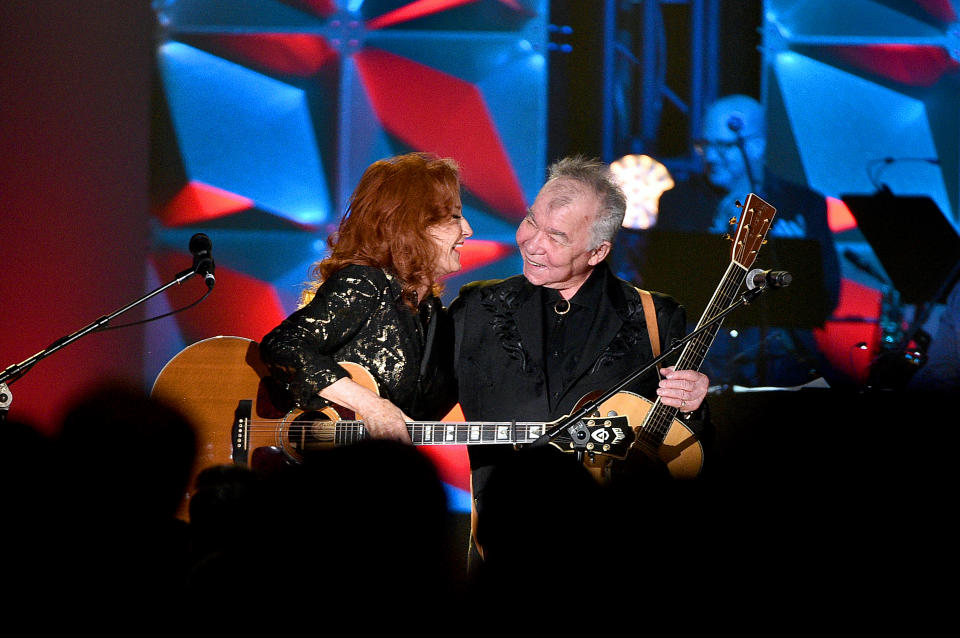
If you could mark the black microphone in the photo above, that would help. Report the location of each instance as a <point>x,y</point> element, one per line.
<point>201,248</point>
<point>772,278</point>
<point>735,124</point>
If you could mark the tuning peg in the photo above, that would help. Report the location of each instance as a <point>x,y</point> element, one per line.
<point>727,237</point>
<point>733,221</point>
<point>739,205</point>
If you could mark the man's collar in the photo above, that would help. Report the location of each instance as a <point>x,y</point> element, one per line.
<point>590,292</point>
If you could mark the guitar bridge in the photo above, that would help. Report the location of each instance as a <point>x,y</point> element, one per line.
<point>240,433</point>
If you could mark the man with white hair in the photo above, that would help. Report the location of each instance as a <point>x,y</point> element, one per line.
<point>529,347</point>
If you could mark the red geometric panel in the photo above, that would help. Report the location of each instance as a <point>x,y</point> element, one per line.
<point>239,305</point>
<point>422,8</point>
<point>414,10</point>
<point>839,216</point>
<point>296,54</point>
<point>289,53</point>
<point>910,64</point>
<point>451,460</point>
<point>321,8</point>
<point>434,111</point>
<point>480,252</point>
<point>198,202</point>
<point>939,9</point>
<point>855,321</point>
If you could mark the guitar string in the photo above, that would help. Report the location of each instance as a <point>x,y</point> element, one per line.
<point>426,432</point>
<point>529,429</point>
<point>661,418</point>
<point>654,431</point>
<point>657,424</point>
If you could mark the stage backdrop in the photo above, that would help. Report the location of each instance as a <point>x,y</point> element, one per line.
<point>267,112</point>
<point>74,142</point>
<point>863,95</point>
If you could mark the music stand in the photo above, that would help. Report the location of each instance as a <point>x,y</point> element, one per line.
<point>688,267</point>
<point>915,243</point>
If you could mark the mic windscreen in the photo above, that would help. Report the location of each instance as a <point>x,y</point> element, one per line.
<point>200,245</point>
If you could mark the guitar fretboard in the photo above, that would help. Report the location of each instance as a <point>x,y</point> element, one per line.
<point>659,419</point>
<point>751,233</point>
<point>443,433</point>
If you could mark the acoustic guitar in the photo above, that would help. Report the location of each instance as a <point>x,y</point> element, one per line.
<point>660,434</point>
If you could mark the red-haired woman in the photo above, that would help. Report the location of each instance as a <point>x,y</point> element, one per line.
<point>375,301</point>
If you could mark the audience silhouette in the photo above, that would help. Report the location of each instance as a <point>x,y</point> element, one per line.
<point>846,491</point>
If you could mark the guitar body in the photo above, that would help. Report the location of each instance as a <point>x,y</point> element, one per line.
<point>207,381</point>
<point>681,452</point>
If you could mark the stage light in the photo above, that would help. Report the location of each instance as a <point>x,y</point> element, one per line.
<point>643,180</point>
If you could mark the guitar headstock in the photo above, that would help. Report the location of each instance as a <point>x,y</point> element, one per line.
<point>752,230</point>
<point>609,436</point>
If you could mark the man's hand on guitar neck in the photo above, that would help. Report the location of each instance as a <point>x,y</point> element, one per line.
<point>683,389</point>
<point>381,418</point>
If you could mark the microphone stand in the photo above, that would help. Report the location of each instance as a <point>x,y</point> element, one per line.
<point>16,371</point>
<point>741,145</point>
<point>577,430</point>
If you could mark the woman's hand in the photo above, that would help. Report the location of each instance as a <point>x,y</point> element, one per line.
<point>683,389</point>
<point>382,419</point>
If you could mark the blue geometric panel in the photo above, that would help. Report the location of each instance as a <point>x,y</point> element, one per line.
<point>841,135</point>
<point>862,93</point>
<point>845,20</point>
<point>258,15</point>
<point>246,133</point>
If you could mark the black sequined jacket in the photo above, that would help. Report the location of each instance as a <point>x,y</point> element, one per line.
<point>358,315</point>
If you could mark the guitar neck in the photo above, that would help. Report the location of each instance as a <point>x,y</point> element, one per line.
<point>693,354</point>
<point>450,433</point>
<point>659,419</point>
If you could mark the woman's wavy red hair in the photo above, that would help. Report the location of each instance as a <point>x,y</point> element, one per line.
<point>385,225</point>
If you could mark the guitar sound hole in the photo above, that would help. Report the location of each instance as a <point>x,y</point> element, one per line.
<point>310,432</point>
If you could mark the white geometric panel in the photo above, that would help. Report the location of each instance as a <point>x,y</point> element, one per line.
<point>846,126</point>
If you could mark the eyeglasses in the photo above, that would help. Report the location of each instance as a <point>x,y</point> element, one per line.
<point>721,146</point>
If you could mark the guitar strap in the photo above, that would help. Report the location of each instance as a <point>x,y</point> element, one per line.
<point>650,314</point>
